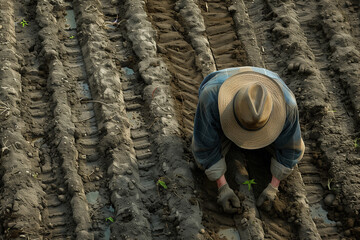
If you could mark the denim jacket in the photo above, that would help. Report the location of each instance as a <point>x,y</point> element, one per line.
<point>208,135</point>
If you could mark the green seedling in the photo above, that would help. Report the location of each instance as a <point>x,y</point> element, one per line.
<point>356,143</point>
<point>249,183</point>
<point>72,37</point>
<point>161,183</point>
<point>23,22</point>
<point>35,175</point>
<point>109,219</point>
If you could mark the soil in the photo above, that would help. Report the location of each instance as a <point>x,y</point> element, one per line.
<point>97,102</point>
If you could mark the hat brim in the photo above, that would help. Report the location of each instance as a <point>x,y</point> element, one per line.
<point>232,130</point>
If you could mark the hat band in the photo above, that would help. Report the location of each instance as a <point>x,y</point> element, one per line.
<point>238,121</point>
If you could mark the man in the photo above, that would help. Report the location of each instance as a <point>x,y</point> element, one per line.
<point>253,108</point>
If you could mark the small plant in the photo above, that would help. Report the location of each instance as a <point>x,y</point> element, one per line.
<point>23,22</point>
<point>249,183</point>
<point>35,175</point>
<point>110,219</point>
<point>72,37</point>
<point>161,183</point>
<point>356,143</point>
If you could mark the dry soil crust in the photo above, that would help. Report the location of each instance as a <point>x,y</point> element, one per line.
<point>98,107</point>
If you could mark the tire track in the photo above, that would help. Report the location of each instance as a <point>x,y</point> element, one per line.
<point>316,66</point>
<point>227,50</point>
<point>341,86</point>
<point>92,156</point>
<point>21,193</point>
<point>345,55</point>
<point>160,221</point>
<point>147,164</point>
<point>182,213</point>
<point>345,60</point>
<point>181,58</point>
<point>182,61</point>
<point>312,176</point>
<point>56,214</point>
<point>142,147</point>
<point>65,152</point>
<point>131,216</point>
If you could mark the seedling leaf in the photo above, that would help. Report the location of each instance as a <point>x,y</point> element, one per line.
<point>72,37</point>
<point>161,183</point>
<point>109,219</point>
<point>23,22</point>
<point>249,183</point>
<point>356,143</point>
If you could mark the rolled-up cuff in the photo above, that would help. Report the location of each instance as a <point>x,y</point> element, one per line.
<point>278,170</point>
<point>217,170</point>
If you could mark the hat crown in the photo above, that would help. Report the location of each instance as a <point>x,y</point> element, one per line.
<point>252,106</point>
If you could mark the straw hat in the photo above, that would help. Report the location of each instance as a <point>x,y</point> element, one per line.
<point>252,109</point>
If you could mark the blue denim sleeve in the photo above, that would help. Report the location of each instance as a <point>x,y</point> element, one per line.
<point>289,147</point>
<point>206,144</point>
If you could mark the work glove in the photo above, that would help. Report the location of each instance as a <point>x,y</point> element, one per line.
<point>227,199</point>
<point>269,194</point>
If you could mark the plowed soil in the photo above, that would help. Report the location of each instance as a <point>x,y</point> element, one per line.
<point>97,102</point>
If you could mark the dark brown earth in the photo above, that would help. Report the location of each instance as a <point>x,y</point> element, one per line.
<point>97,100</point>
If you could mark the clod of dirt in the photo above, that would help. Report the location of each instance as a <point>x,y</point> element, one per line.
<point>279,206</point>
<point>329,199</point>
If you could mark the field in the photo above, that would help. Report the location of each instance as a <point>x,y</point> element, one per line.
<point>97,101</point>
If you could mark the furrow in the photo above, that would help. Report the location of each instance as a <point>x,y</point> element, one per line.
<point>279,18</point>
<point>62,162</point>
<point>195,26</point>
<point>245,31</point>
<point>180,60</point>
<point>143,151</point>
<point>187,78</point>
<point>338,79</point>
<point>345,54</point>
<point>220,26</point>
<point>20,189</point>
<point>108,78</point>
<point>315,183</point>
<point>92,163</point>
<point>182,214</point>
<point>351,13</point>
<point>36,104</point>
<point>308,41</point>
<point>345,58</point>
<point>145,154</point>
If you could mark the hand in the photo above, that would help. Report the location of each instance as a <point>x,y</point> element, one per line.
<point>227,199</point>
<point>269,194</point>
